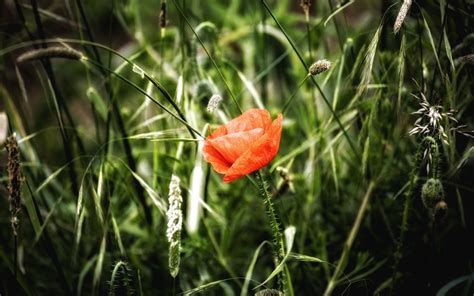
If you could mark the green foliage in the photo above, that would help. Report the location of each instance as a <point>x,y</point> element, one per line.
<point>116,104</point>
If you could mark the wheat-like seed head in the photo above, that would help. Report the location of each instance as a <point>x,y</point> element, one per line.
<point>175,224</point>
<point>401,15</point>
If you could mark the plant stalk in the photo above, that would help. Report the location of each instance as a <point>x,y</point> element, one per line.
<point>277,244</point>
<point>341,264</point>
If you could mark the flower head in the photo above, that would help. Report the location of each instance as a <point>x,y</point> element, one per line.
<point>243,145</point>
<point>430,120</point>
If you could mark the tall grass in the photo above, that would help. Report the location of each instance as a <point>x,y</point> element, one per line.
<point>109,99</point>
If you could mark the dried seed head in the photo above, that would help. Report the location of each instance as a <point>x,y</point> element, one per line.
<point>50,52</point>
<point>3,127</point>
<point>269,292</point>
<point>306,4</point>
<point>163,17</point>
<point>319,67</point>
<point>14,181</point>
<point>214,102</point>
<point>175,224</point>
<point>467,59</point>
<point>432,193</point>
<point>401,15</point>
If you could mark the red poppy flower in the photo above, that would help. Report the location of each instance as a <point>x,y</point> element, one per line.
<point>243,145</point>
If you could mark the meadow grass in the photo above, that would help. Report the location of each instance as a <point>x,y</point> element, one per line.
<point>110,102</point>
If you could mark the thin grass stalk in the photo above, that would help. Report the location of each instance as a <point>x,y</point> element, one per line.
<point>277,244</point>
<point>438,50</point>
<point>185,123</point>
<point>288,102</point>
<point>48,245</point>
<point>119,120</point>
<point>420,50</point>
<point>50,74</point>
<point>224,80</point>
<point>338,32</point>
<point>341,264</point>
<point>325,99</point>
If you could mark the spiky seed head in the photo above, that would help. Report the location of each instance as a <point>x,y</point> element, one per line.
<point>401,15</point>
<point>319,67</point>
<point>14,181</point>
<point>175,224</point>
<point>430,120</point>
<point>269,292</point>
<point>214,103</point>
<point>432,193</point>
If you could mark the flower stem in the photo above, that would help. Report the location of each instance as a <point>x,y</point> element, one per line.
<point>407,207</point>
<point>277,245</point>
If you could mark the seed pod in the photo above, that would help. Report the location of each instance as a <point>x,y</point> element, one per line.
<point>440,211</point>
<point>432,193</point>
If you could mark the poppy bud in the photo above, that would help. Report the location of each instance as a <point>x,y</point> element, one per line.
<point>440,211</point>
<point>432,193</point>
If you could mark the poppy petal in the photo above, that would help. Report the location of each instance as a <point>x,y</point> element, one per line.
<point>259,155</point>
<point>232,146</point>
<point>253,118</point>
<point>211,155</point>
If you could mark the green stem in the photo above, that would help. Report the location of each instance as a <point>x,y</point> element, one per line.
<point>278,246</point>
<point>341,264</point>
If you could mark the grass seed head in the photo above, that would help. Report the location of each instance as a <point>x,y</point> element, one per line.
<point>401,15</point>
<point>14,181</point>
<point>3,128</point>
<point>175,224</point>
<point>319,67</point>
<point>214,103</point>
